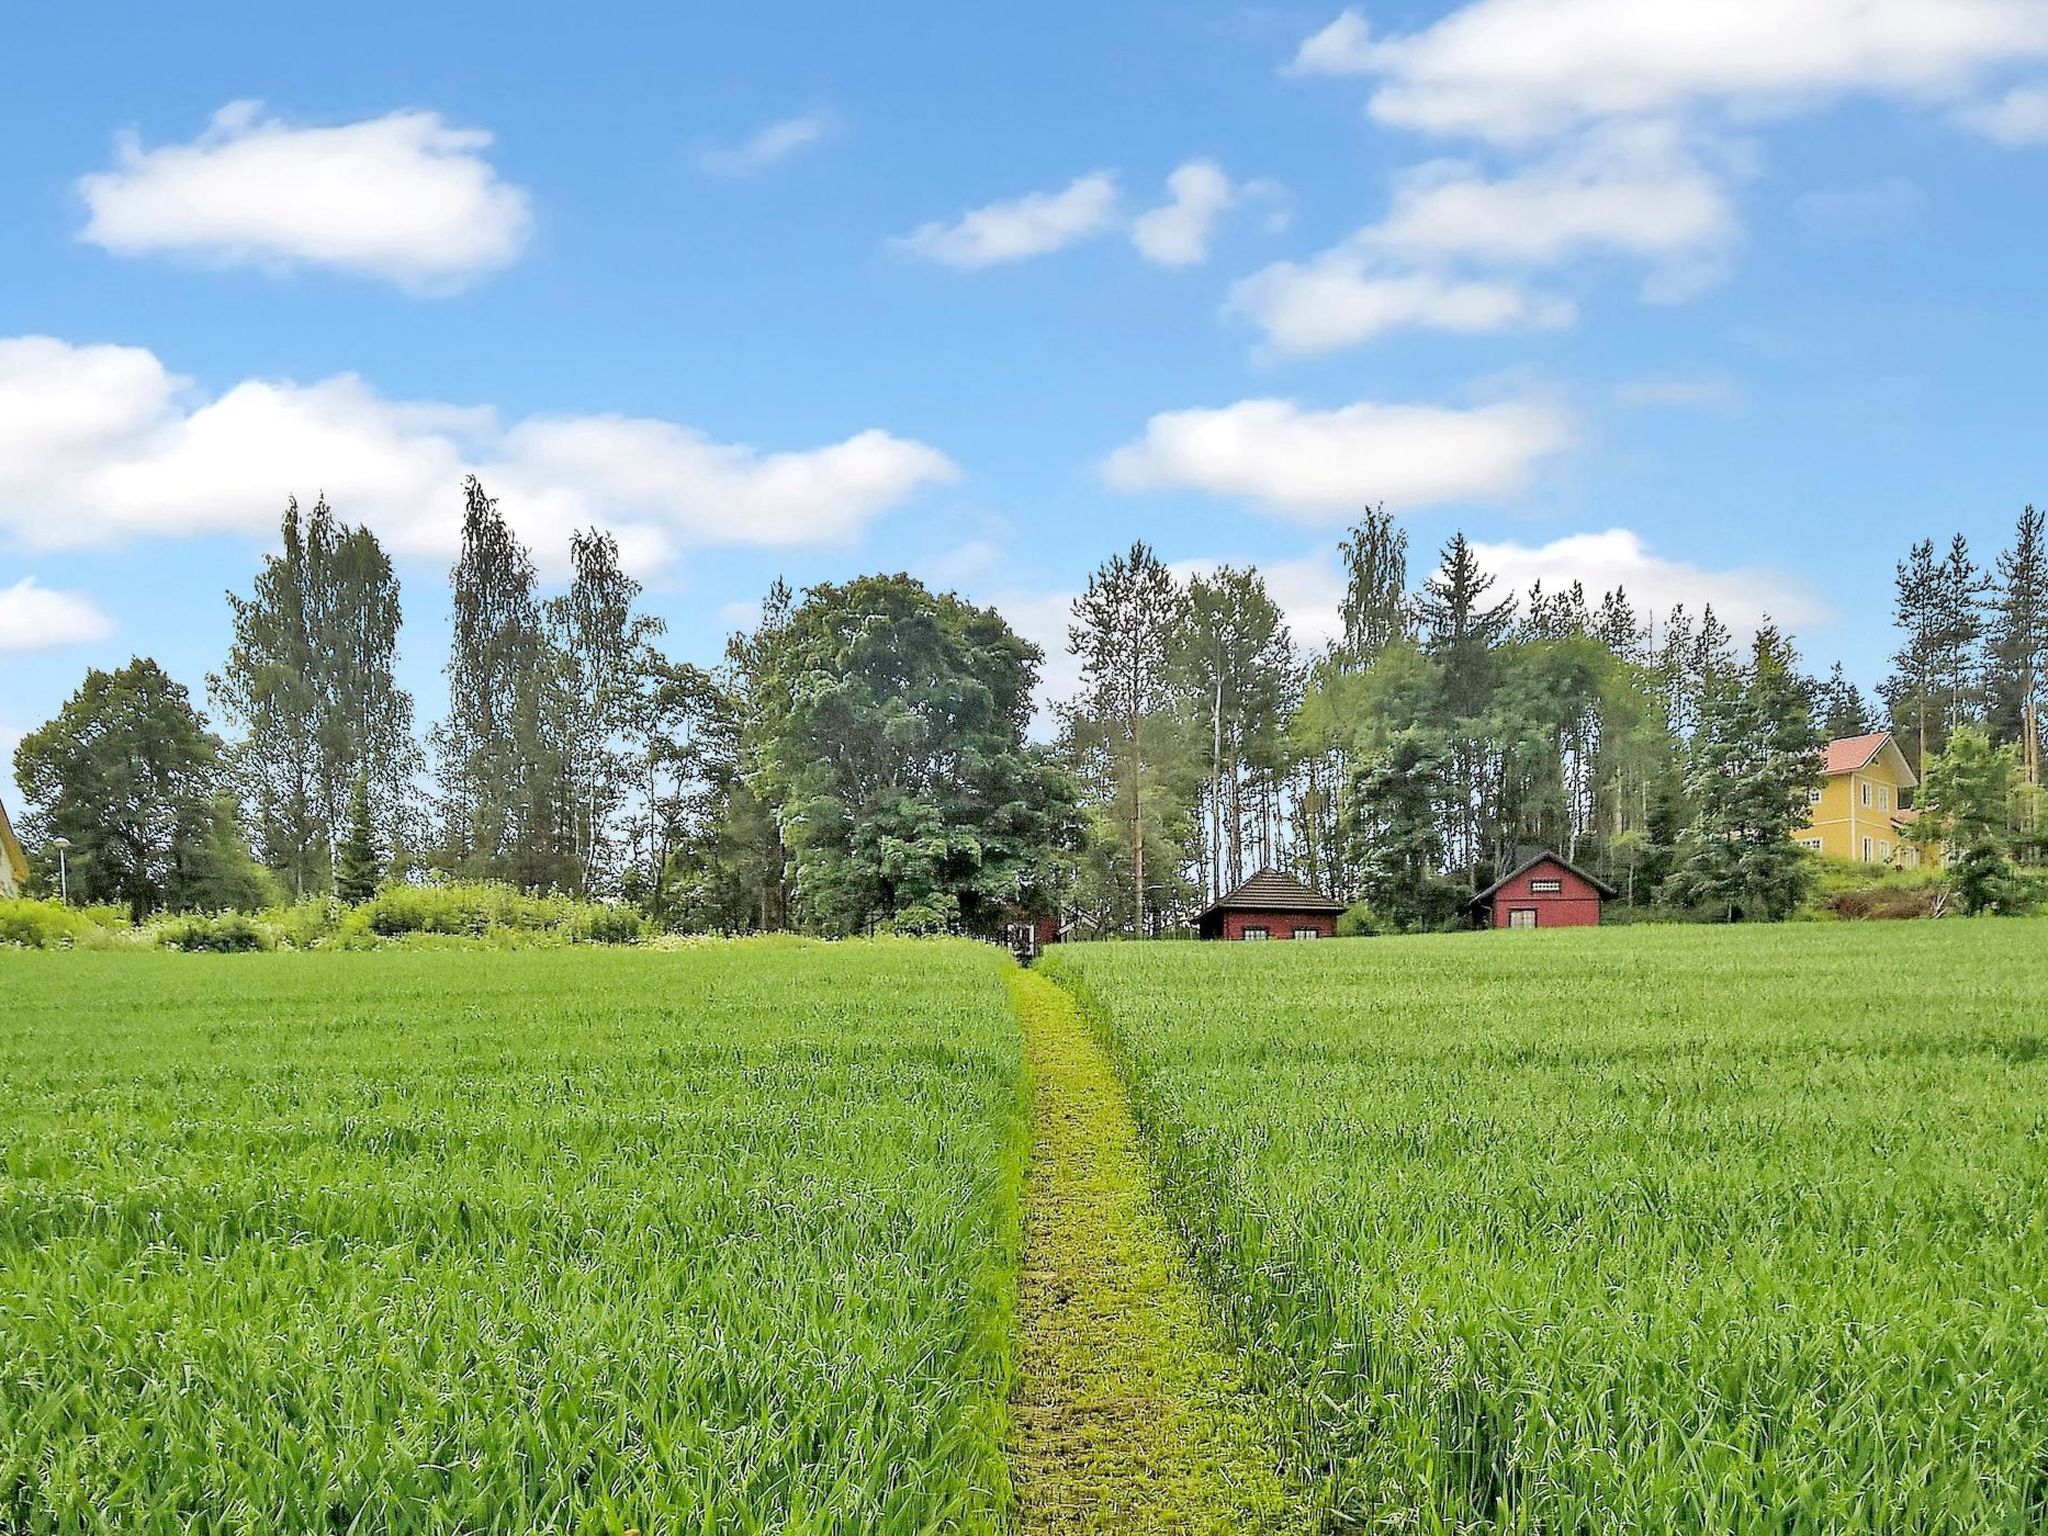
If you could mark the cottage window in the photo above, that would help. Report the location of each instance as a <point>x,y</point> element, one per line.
<point>1256,933</point>
<point>1867,845</point>
<point>1521,917</point>
<point>1810,842</point>
<point>1866,791</point>
<point>1813,797</point>
<point>1884,851</point>
<point>1546,887</point>
<point>1308,933</point>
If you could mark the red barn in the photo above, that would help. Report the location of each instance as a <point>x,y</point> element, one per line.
<point>1542,891</point>
<point>1271,905</point>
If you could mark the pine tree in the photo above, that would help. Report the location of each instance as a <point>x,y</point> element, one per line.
<point>1616,626</point>
<point>1910,692</point>
<point>358,868</point>
<point>2019,644</point>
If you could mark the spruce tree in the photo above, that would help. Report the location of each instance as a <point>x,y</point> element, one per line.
<point>1755,755</point>
<point>1841,709</point>
<point>358,869</point>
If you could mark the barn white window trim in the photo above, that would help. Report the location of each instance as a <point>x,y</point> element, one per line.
<point>1308,933</point>
<point>1546,887</point>
<point>1253,935</point>
<point>1521,917</point>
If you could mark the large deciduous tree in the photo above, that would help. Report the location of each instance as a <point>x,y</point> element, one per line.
<point>895,757</point>
<point>128,772</point>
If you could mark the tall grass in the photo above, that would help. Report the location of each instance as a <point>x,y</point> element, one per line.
<point>1661,1229</point>
<point>719,1240</point>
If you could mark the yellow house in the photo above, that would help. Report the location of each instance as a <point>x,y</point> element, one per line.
<point>1856,813</point>
<point>13,863</point>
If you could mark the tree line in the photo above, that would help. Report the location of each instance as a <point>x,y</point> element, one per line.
<point>861,758</point>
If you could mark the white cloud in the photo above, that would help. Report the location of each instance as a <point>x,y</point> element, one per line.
<point>1340,299</point>
<point>1719,395</point>
<point>34,618</point>
<point>1453,252</point>
<point>1321,465</point>
<point>2016,119</point>
<point>778,141</point>
<point>1619,557</point>
<point>1034,225</point>
<point>1176,234</point>
<point>1632,188</point>
<point>101,444</point>
<point>1513,69</point>
<point>1880,207</point>
<point>405,197</point>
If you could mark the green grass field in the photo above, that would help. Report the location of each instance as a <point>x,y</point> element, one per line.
<point>1645,1230</point>
<point>718,1240</point>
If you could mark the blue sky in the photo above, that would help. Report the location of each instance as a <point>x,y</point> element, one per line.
<point>1723,299</point>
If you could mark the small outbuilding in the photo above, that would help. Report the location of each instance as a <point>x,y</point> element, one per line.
<point>1271,905</point>
<point>1542,891</point>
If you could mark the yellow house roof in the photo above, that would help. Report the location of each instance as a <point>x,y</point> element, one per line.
<point>1853,754</point>
<point>10,851</point>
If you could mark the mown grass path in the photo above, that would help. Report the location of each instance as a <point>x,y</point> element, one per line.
<point>1126,1415</point>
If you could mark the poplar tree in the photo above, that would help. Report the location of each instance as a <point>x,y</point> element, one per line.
<point>310,679</point>
<point>504,810</point>
<point>607,663</point>
<point>1374,608</point>
<point>1233,660</point>
<point>1123,631</point>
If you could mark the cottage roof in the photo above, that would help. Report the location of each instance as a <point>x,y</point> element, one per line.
<point>1527,859</point>
<point>1271,891</point>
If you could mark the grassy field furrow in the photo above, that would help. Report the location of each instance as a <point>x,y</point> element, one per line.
<point>562,1241</point>
<point>1623,1230</point>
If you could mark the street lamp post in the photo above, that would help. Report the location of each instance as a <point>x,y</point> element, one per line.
<point>62,844</point>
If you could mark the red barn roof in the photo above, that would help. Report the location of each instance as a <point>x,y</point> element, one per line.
<point>1529,860</point>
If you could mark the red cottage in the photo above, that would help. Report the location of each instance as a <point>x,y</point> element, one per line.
<point>1542,891</point>
<point>1271,905</point>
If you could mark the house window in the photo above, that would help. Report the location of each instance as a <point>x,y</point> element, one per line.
<point>1256,933</point>
<point>1308,933</point>
<point>1521,917</point>
<point>1884,851</point>
<point>1813,797</point>
<point>1810,842</point>
<point>1867,846</point>
<point>1866,791</point>
<point>1546,887</point>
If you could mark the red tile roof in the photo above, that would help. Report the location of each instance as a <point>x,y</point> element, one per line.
<point>1848,753</point>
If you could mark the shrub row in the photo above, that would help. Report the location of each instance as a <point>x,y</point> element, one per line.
<point>471,915</point>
